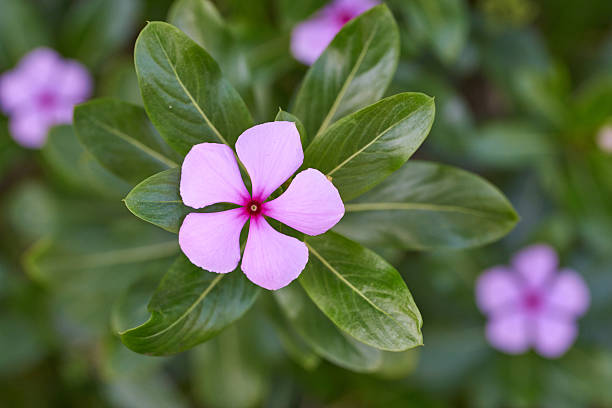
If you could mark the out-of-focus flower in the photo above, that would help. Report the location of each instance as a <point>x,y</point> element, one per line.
<point>604,138</point>
<point>531,304</point>
<point>271,153</point>
<point>41,92</point>
<point>310,38</point>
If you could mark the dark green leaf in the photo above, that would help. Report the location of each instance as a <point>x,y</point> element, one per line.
<point>286,116</point>
<point>190,306</point>
<point>353,72</point>
<point>361,293</point>
<point>429,205</point>
<point>119,135</point>
<point>94,29</point>
<point>157,200</point>
<point>183,90</point>
<point>322,335</point>
<point>362,149</point>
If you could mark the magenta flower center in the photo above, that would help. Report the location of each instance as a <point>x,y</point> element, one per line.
<point>344,16</point>
<point>253,208</point>
<point>47,100</point>
<point>532,301</point>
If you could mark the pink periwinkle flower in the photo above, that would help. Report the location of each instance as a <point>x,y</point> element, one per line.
<point>310,38</point>
<point>531,304</point>
<point>271,153</point>
<point>41,92</point>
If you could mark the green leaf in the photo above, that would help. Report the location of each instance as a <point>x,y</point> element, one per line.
<point>288,117</point>
<point>94,29</point>
<point>353,72</point>
<point>119,135</point>
<point>190,306</point>
<point>362,149</point>
<point>21,29</point>
<point>361,293</point>
<point>158,200</point>
<point>77,167</point>
<point>326,339</point>
<point>183,91</point>
<point>427,206</point>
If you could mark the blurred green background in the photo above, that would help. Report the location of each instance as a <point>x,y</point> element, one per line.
<point>523,88</point>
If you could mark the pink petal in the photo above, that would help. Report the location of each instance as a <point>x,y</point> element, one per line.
<point>271,153</point>
<point>568,294</point>
<point>310,38</point>
<point>497,289</point>
<point>536,264</point>
<point>74,85</point>
<point>272,260</point>
<point>554,336</point>
<point>14,91</point>
<point>311,204</point>
<point>212,240</point>
<point>210,175</point>
<point>352,8</point>
<point>30,128</point>
<point>509,333</point>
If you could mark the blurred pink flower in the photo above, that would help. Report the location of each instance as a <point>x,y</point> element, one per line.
<point>604,138</point>
<point>310,38</point>
<point>271,153</point>
<point>531,304</point>
<point>41,92</point>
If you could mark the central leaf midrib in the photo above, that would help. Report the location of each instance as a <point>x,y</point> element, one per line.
<point>406,206</point>
<point>139,145</point>
<point>186,313</point>
<point>349,284</point>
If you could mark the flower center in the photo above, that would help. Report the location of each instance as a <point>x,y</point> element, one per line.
<point>532,301</point>
<point>344,17</point>
<point>46,100</point>
<point>253,207</point>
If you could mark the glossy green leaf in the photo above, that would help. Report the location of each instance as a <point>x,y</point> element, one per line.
<point>94,29</point>
<point>183,90</point>
<point>353,72</point>
<point>77,167</point>
<point>361,293</point>
<point>286,116</point>
<point>158,200</point>
<point>427,206</point>
<point>322,335</point>
<point>119,135</point>
<point>190,306</point>
<point>362,149</point>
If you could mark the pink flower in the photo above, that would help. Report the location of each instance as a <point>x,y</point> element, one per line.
<point>41,92</point>
<point>310,38</point>
<point>530,304</point>
<point>604,139</point>
<point>271,153</point>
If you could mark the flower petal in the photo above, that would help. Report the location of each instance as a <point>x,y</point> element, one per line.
<point>210,175</point>
<point>271,153</point>
<point>509,333</point>
<point>212,240</point>
<point>310,38</point>
<point>272,260</point>
<point>30,128</point>
<point>536,264</point>
<point>497,289</point>
<point>41,66</point>
<point>74,84</point>
<point>568,295</point>
<point>311,204</point>
<point>554,336</point>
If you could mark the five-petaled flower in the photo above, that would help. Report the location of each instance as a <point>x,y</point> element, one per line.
<point>271,153</point>
<point>41,92</point>
<point>310,38</point>
<point>530,304</point>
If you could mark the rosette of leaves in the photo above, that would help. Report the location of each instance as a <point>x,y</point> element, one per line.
<point>349,306</point>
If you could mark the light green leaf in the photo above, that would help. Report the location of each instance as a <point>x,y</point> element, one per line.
<point>362,149</point>
<point>190,306</point>
<point>361,293</point>
<point>119,135</point>
<point>183,90</point>
<point>326,339</point>
<point>353,72</point>
<point>429,205</point>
